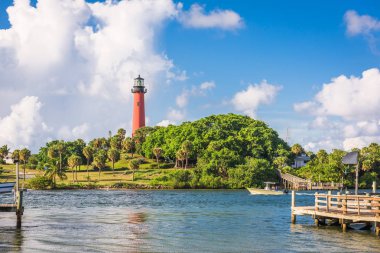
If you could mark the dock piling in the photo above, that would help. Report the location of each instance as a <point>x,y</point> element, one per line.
<point>293,218</point>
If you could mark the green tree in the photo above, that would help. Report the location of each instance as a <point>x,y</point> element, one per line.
<point>24,155</point>
<point>60,147</point>
<point>74,161</point>
<point>187,148</point>
<point>52,172</point>
<point>4,150</point>
<point>113,156</point>
<point>121,136</point>
<point>129,145</point>
<point>16,155</point>
<point>134,164</point>
<point>297,149</point>
<point>100,160</point>
<point>157,153</point>
<point>115,143</point>
<point>88,152</point>
<point>180,157</point>
<point>33,162</point>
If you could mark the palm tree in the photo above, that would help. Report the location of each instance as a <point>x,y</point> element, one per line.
<point>24,155</point>
<point>60,147</point>
<point>134,164</point>
<point>16,155</point>
<point>297,149</point>
<point>74,161</point>
<point>100,160</point>
<point>88,152</point>
<point>129,145</point>
<point>114,156</point>
<point>53,171</point>
<point>180,156</point>
<point>187,148</point>
<point>121,135</point>
<point>4,150</point>
<point>157,153</point>
<point>97,144</point>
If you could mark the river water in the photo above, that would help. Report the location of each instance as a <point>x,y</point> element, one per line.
<point>170,221</point>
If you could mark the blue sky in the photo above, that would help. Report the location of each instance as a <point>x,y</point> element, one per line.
<point>296,46</point>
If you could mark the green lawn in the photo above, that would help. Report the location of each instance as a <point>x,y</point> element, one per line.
<point>107,177</point>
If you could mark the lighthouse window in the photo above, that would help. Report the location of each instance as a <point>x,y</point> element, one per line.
<point>138,103</point>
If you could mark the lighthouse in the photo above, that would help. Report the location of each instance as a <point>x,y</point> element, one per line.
<point>138,91</point>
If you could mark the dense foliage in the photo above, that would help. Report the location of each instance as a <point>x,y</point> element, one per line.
<point>223,140</point>
<point>229,151</point>
<point>325,167</point>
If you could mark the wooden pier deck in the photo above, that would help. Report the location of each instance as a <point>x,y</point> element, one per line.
<point>8,207</point>
<point>290,181</point>
<point>342,210</point>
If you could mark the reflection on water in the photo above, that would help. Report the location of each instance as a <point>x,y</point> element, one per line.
<point>11,239</point>
<point>170,221</point>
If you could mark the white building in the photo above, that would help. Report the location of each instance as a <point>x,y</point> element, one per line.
<point>8,159</point>
<point>300,161</point>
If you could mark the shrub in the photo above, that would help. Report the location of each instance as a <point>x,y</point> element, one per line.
<point>40,183</point>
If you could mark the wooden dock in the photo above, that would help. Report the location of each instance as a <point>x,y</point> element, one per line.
<point>17,206</point>
<point>292,182</point>
<point>341,210</point>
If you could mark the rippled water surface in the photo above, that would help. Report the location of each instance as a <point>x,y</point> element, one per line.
<point>170,221</point>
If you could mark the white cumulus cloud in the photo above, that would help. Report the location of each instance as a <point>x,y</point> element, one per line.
<point>24,124</point>
<point>247,101</point>
<point>347,110</point>
<point>80,59</point>
<point>165,123</point>
<point>197,17</point>
<point>348,97</point>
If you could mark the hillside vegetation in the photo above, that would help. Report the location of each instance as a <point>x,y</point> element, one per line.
<point>219,151</point>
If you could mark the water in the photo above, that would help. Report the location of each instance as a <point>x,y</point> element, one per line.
<point>170,221</point>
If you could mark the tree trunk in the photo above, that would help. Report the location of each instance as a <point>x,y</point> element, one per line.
<point>24,176</point>
<point>99,174</point>
<point>113,167</point>
<point>186,161</point>
<point>73,174</point>
<point>88,174</point>
<point>158,166</point>
<point>76,173</point>
<point>60,162</point>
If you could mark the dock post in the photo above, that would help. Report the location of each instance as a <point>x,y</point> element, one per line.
<point>344,226</point>
<point>316,221</point>
<point>293,219</point>
<point>19,195</point>
<point>19,207</point>
<point>374,186</point>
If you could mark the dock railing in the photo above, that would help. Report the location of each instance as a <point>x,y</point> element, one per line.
<point>360,205</point>
<point>341,209</point>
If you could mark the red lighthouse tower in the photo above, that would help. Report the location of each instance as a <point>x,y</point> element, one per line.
<point>138,91</point>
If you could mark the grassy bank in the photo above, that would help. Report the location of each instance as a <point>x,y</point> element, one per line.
<point>121,177</point>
